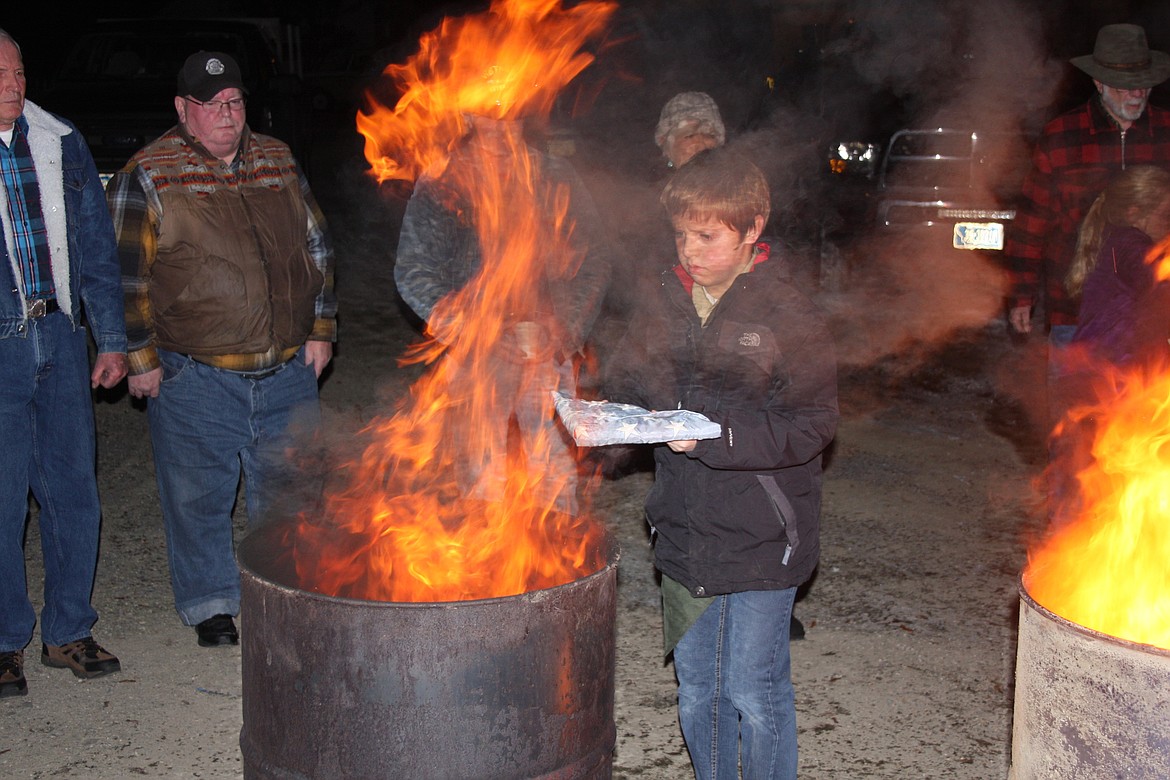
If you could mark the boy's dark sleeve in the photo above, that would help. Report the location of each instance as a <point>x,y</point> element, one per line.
<point>800,419</point>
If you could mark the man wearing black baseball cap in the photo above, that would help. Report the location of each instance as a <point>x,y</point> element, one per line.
<point>205,74</point>
<point>208,83</point>
<point>228,272</point>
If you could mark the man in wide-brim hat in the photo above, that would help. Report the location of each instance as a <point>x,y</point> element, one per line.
<point>1124,69</point>
<point>1122,59</point>
<point>1076,155</point>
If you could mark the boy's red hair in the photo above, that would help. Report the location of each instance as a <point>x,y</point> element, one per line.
<point>720,184</point>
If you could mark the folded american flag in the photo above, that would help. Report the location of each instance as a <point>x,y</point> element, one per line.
<point>598,423</point>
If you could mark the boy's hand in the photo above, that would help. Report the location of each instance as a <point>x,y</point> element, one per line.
<point>685,445</point>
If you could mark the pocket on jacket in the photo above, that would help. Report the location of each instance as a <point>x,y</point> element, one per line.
<point>785,511</point>
<point>189,285</point>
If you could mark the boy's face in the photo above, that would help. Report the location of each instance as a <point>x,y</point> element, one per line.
<point>712,253</point>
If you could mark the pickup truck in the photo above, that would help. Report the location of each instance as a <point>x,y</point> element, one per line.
<point>117,82</point>
<point>962,184</point>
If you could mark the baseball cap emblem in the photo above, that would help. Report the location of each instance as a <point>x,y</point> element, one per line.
<point>214,67</point>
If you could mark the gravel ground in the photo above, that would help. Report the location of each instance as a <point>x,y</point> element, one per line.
<point>907,668</point>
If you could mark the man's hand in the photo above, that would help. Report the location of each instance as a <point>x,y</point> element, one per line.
<point>146,385</point>
<point>318,354</point>
<point>1020,318</point>
<point>108,369</point>
<point>685,445</point>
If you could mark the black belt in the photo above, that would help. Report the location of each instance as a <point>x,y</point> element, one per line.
<point>262,373</point>
<point>39,307</point>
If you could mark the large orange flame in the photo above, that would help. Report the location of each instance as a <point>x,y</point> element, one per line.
<point>1109,569</point>
<point>509,62</point>
<point>442,504</point>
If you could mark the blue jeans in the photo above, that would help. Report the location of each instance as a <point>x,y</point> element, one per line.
<point>46,416</point>
<point>735,683</point>
<point>206,425</point>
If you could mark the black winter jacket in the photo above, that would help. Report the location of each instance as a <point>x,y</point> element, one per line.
<point>741,512</point>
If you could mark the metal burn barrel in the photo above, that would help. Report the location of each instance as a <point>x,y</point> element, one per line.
<point>1087,705</point>
<point>515,687</point>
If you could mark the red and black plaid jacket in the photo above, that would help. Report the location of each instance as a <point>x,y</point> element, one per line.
<point>1074,158</point>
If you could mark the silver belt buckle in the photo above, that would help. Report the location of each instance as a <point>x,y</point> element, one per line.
<point>36,308</point>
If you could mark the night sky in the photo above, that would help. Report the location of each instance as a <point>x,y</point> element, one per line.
<point>365,24</point>
<point>906,53</point>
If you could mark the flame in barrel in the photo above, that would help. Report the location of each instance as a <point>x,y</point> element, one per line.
<point>439,506</point>
<point>1109,569</point>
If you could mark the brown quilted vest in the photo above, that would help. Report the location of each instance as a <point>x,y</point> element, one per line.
<point>232,272</point>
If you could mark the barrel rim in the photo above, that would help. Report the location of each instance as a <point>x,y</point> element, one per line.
<point>608,541</point>
<point>1085,630</point>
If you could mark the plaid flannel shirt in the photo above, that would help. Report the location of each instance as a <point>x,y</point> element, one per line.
<point>29,235</point>
<point>1076,155</point>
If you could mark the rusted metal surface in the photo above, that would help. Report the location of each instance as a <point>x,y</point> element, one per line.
<point>1087,705</point>
<point>517,687</point>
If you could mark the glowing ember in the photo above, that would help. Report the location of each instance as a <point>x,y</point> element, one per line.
<point>407,525</point>
<point>1109,570</point>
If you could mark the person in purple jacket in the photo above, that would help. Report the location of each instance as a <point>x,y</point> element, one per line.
<point>1123,317</point>
<point>1123,321</point>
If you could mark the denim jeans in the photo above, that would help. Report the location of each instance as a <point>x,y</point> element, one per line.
<point>735,694</point>
<point>206,426</point>
<point>46,416</point>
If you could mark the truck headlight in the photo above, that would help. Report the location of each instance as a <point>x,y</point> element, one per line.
<point>856,158</point>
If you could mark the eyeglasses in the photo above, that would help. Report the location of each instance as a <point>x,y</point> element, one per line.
<point>216,106</point>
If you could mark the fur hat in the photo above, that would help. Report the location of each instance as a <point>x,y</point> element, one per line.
<point>1122,59</point>
<point>697,107</point>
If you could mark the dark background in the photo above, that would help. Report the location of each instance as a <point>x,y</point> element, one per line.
<point>733,33</point>
<point>792,77</point>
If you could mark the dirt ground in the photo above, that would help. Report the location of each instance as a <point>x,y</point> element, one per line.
<point>907,668</point>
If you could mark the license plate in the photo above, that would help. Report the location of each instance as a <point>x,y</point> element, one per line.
<point>978,235</point>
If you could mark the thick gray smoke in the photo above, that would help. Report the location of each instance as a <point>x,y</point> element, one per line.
<point>791,80</point>
<point>794,79</point>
